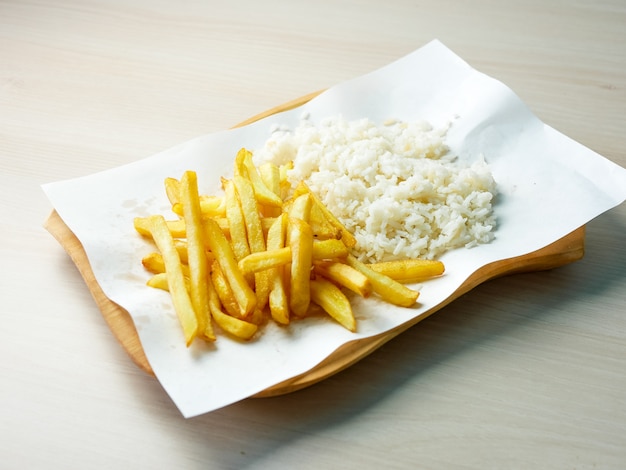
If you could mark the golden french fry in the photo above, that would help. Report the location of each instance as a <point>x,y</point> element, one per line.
<point>301,208</point>
<point>334,302</point>
<point>270,174</point>
<point>172,190</point>
<point>285,185</point>
<point>322,228</point>
<point>272,258</point>
<point>262,260</point>
<point>175,227</point>
<point>153,262</point>
<point>301,242</point>
<point>175,278</point>
<point>409,270</point>
<point>221,249</point>
<point>346,276</point>
<point>329,249</point>
<point>159,281</point>
<point>250,210</point>
<point>236,223</point>
<point>256,237</point>
<point>346,236</point>
<point>278,300</point>
<point>210,206</point>
<point>234,326</point>
<point>223,291</point>
<point>388,289</point>
<point>231,325</point>
<point>197,260</point>
<point>181,247</point>
<point>246,168</point>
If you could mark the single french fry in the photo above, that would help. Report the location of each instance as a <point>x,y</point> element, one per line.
<point>250,210</point>
<point>256,237</point>
<point>221,249</point>
<point>159,281</point>
<point>270,174</point>
<point>172,190</point>
<point>409,270</point>
<point>223,291</point>
<point>329,249</point>
<point>262,260</point>
<point>263,194</point>
<point>301,208</point>
<point>345,275</point>
<point>210,206</point>
<point>322,228</point>
<point>301,242</point>
<point>334,302</point>
<point>278,300</point>
<point>175,278</point>
<point>231,325</point>
<point>272,258</point>
<point>153,262</point>
<point>346,236</point>
<point>234,326</point>
<point>197,259</point>
<point>181,247</point>
<point>236,223</point>
<point>388,289</point>
<point>175,227</point>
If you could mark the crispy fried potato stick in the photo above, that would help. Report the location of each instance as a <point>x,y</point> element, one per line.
<point>409,270</point>
<point>388,289</point>
<point>270,174</point>
<point>247,168</point>
<point>301,208</point>
<point>175,227</point>
<point>301,243</point>
<point>231,325</point>
<point>210,206</point>
<point>278,301</point>
<point>172,190</point>
<point>251,215</point>
<point>346,236</point>
<point>220,247</point>
<point>159,281</point>
<point>197,260</point>
<point>334,302</point>
<point>329,249</point>
<point>236,223</point>
<point>255,262</point>
<point>175,278</point>
<point>256,237</point>
<point>223,291</point>
<point>272,258</point>
<point>153,262</point>
<point>346,276</point>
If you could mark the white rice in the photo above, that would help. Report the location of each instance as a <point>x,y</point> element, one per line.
<point>395,186</point>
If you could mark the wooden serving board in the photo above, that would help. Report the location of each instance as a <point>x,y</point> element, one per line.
<point>566,250</point>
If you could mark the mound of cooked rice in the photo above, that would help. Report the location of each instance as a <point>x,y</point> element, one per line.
<point>395,186</point>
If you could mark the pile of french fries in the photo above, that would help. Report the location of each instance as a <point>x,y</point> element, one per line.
<point>262,250</point>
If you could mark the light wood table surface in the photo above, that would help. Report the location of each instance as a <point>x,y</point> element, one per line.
<point>527,371</point>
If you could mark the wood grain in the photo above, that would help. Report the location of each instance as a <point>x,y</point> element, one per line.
<point>564,251</point>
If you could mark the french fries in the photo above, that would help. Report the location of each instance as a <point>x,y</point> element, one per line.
<point>197,259</point>
<point>409,270</point>
<point>262,250</point>
<point>175,279</point>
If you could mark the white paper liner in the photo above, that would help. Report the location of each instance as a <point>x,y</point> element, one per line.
<point>548,185</point>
